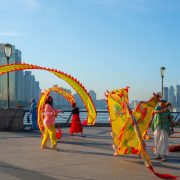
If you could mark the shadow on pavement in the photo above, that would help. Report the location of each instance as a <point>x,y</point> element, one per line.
<point>21,173</point>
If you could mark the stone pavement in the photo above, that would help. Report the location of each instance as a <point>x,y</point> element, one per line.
<point>79,158</point>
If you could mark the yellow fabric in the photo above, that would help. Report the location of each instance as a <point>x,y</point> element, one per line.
<point>118,116</point>
<point>41,104</point>
<point>143,113</point>
<point>126,131</point>
<point>74,83</point>
<point>67,95</point>
<point>142,145</point>
<point>49,132</point>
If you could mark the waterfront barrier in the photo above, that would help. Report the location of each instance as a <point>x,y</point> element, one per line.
<point>11,119</point>
<point>101,120</point>
<point>16,119</point>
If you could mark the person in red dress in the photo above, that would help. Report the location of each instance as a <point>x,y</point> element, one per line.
<point>76,125</point>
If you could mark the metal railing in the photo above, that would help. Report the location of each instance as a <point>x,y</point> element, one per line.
<point>102,117</point>
<point>176,117</point>
<point>62,118</point>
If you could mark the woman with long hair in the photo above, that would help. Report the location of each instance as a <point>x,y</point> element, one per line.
<point>76,125</point>
<point>49,123</point>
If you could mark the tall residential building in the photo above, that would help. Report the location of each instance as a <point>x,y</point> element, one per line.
<point>135,103</point>
<point>60,101</point>
<point>27,85</point>
<point>37,91</point>
<point>78,100</point>
<point>19,78</point>
<point>22,85</point>
<point>172,97</point>
<point>165,93</point>
<point>14,77</point>
<point>31,87</point>
<point>178,95</point>
<point>3,78</point>
<point>67,105</point>
<point>93,96</point>
<point>56,98</point>
<point>101,104</point>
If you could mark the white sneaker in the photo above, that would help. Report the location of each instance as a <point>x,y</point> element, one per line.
<point>164,159</point>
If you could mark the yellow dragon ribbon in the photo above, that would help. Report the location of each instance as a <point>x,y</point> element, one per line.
<point>129,128</point>
<point>74,83</point>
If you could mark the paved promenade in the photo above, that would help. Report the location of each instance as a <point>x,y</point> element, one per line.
<point>79,158</point>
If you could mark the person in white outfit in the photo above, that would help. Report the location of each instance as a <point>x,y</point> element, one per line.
<point>161,128</point>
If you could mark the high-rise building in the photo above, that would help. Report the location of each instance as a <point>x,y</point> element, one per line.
<point>14,79</point>
<point>22,85</point>
<point>32,93</point>
<point>19,78</point>
<point>93,96</point>
<point>37,91</point>
<point>27,85</point>
<point>3,78</point>
<point>172,97</point>
<point>56,97</point>
<point>78,100</point>
<point>165,93</point>
<point>101,104</point>
<point>178,95</point>
<point>60,101</point>
<point>31,87</point>
<point>135,103</point>
<point>67,105</point>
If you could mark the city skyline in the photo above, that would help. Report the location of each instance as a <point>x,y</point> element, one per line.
<point>61,102</point>
<point>106,44</point>
<point>172,95</point>
<point>23,85</point>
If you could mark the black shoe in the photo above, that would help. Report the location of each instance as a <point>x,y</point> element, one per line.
<point>157,157</point>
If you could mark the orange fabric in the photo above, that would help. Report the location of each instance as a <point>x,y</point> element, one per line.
<point>174,148</point>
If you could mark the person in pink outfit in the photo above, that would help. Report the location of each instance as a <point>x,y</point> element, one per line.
<point>50,113</point>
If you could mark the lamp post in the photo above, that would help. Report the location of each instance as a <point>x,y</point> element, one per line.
<point>8,52</point>
<point>162,76</point>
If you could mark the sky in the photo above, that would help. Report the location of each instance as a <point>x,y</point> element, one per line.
<point>105,44</point>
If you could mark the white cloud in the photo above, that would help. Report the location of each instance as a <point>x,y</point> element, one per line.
<point>13,34</point>
<point>31,3</point>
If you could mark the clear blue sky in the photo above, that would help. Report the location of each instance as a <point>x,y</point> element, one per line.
<point>105,44</point>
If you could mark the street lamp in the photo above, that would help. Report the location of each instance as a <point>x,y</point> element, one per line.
<point>162,76</point>
<point>8,52</point>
